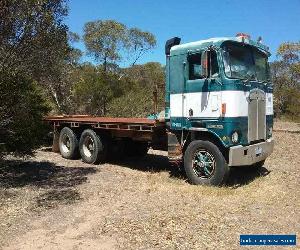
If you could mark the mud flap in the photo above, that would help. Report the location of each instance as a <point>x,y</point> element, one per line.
<point>174,149</point>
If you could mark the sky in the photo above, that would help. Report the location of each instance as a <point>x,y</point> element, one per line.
<point>276,21</point>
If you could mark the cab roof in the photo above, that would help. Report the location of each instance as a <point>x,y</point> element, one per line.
<point>218,41</point>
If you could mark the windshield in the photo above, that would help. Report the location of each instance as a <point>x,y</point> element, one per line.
<point>245,62</point>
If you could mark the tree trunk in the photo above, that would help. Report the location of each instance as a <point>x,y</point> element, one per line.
<point>105,64</point>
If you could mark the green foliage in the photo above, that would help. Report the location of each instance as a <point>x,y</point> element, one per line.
<point>139,42</point>
<point>286,79</point>
<point>95,88</point>
<point>108,40</point>
<point>34,43</point>
<point>138,100</point>
<point>104,39</point>
<point>34,49</point>
<point>22,108</point>
<point>33,38</point>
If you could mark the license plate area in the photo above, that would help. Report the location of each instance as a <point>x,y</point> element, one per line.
<point>258,151</point>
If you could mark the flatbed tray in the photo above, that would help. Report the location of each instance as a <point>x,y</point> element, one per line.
<point>95,119</point>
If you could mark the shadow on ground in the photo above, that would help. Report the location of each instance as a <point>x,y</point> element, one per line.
<point>58,182</point>
<point>52,198</point>
<point>151,163</point>
<point>238,176</point>
<point>42,174</point>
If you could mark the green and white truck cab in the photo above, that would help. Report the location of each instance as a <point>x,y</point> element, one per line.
<point>219,105</point>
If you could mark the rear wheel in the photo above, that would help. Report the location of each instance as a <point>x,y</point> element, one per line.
<point>92,147</point>
<point>68,143</point>
<point>204,164</point>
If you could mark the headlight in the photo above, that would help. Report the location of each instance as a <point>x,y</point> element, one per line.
<point>235,137</point>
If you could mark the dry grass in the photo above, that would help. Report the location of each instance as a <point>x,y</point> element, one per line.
<point>50,202</point>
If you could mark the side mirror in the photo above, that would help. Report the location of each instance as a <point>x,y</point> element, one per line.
<point>204,64</point>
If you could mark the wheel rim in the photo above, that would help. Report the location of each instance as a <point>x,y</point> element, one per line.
<point>204,164</point>
<point>66,143</point>
<point>88,146</point>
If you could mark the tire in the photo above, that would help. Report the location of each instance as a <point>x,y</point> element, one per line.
<point>93,149</point>
<point>68,143</point>
<point>204,164</point>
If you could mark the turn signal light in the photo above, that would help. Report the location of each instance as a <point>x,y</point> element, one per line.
<point>223,108</point>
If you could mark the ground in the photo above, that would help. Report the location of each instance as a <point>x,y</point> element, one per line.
<point>48,202</point>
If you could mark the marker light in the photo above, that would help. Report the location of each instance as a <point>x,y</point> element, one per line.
<point>235,137</point>
<point>223,108</point>
<point>243,35</point>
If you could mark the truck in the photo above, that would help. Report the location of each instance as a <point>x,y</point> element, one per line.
<point>218,113</point>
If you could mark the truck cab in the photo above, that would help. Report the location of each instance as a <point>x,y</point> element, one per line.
<point>219,105</point>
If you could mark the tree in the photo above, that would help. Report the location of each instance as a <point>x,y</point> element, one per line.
<point>139,42</point>
<point>107,41</point>
<point>95,88</point>
<point>33,48</point>
<point>104,40</point>
<point>286,79</point>
<point>32,36</point>
<point>22,108</point>
<point>34,43</point>
<point>137,100</point>
<point>59,86</point>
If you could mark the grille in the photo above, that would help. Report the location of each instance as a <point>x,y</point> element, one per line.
<point>256,115</point>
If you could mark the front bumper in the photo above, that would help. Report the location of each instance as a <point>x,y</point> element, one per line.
<point>248,155</point>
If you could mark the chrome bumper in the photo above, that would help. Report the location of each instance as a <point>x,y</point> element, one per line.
<point>248,155</point>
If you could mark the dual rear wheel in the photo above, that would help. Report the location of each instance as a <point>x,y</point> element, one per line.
<point>94,148</point>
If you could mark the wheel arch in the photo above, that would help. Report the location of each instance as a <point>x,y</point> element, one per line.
<point>212,137</point>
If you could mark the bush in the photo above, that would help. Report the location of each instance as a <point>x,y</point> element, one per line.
<point>137,102</point>
<point>22,108</point>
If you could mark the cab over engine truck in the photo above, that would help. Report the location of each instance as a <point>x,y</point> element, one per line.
<point>218,113</point>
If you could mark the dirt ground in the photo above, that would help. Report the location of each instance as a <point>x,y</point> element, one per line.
<point>48,202</point>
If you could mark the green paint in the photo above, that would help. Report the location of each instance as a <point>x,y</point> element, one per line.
<point>239,124</point>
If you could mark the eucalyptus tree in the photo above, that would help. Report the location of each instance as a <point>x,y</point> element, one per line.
<point>104,40</point>
<point>107,41</point>
<point>139,42</point>
<point>33,48</point>
<point>286,78</point>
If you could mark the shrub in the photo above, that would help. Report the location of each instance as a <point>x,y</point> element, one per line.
<point>22,108</point>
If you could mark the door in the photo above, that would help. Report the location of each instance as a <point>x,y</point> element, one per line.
<point>202,89</point>
<point>177,91</point>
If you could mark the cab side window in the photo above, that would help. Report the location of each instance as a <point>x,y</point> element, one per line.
<point>195,70</point>
<point>214,71</point>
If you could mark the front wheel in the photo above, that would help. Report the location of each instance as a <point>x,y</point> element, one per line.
<point>204,164</point>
